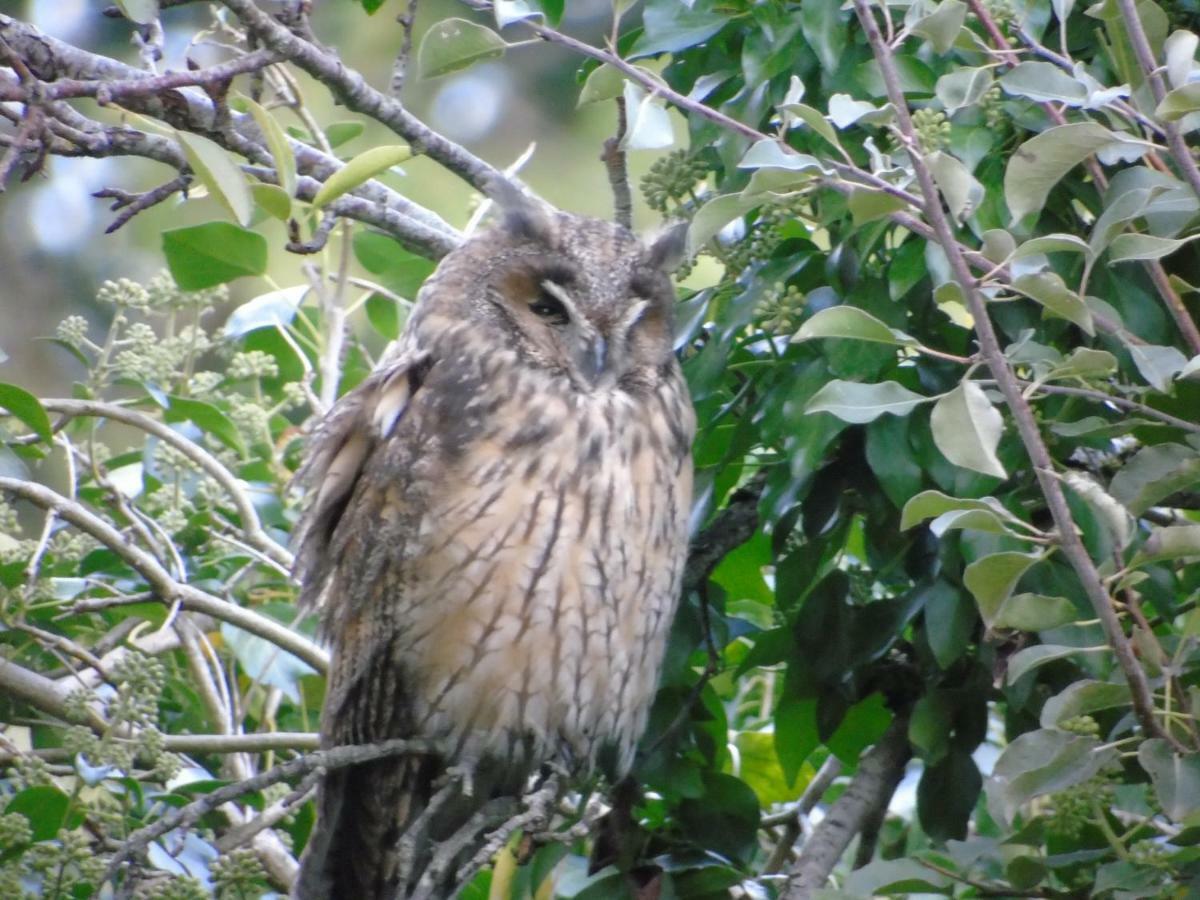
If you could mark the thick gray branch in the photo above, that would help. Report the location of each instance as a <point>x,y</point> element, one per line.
<point>873,784</point>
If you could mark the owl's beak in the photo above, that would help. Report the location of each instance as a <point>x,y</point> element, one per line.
<point>592,357</point>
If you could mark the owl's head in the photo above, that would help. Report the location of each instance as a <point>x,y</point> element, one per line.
<point>581,298</point>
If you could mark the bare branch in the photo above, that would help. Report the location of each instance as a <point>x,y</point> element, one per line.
<point>170,590</point>
<point>333,758</point>
<point>133,203</point>
<point>353,90</point>
<point>613,158</point>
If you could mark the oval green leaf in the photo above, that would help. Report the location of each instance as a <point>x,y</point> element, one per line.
<point>858,403</point>
<point>215,167</point>
<point>26,407</point>
<point>203,256</point>
<point>362,168</point>
<point>454,44</point>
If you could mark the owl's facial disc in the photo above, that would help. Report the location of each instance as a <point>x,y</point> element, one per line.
<point>587,348</point>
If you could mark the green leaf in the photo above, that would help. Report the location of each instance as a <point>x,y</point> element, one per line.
<point>868,205</point>
<point>946,795</point>
<point>1126,247</point>
<point>141,11</point>
<point>844,111</point>
<point>930,725</point>
<point>265,663</point>
<point>278,144</point>
<point>1179,102</point>
<point>384,315</point>
<point>859,403</point>
<point>1034,657</point>
<point>992,578</point>
<point>864,724</point>
<point>603,83</point>
<point>1176,778</point>
<point>713,216</point>
<point>362,168</point>
<point>942,25</point>
<point>1084,362</point>
<point>963,87</point>
<point>649,125</point>
<point>968,520</point>
<point>26,407</point>
<point>795,735</point>
<point>454,44</point>
<point>1035,612</point>
<point>1041,162</point>
<point>203,256</point>
<point>813,119</point>
<point>962,191</point>
<point>1044,82</point>
<point>1180,52</point>
<point>1038,763</point>
<point>400,270</point>
<point>967,428</point>
<point>273,200</point>
<point>824,29</point>
<point>1158,365</point>
<point>1169,542</point>
<point>215,167</point>
<point>343,132</point>
<point>930,504</point>
<point>1051,243</point>
<point>1155,473</point>
<point>1081,698</point>
<point>207,418</point>
<point>850,322</point>
<point>1048,289</point>
<point>949,621</point>
<point>46,807</point>
<point>670,26</point>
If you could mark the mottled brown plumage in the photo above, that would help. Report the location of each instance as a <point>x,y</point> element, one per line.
<point>496,532</point>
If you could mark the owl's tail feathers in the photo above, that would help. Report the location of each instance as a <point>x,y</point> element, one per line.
<point>356,851</point>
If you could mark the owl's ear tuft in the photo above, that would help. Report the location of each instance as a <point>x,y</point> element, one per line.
<point>667,249</point>
<point>524,215</point>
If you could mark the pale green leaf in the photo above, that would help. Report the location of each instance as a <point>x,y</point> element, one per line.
<point>844,111</point>
<point>1169,542</point>
<point>1084,362</point>
<point>1157,364</point>
<point>1043,82</point>
<point>1034,657</point>
<point>1042,762</point>
<point>219,173</point>
<point>141,11</point>
<point>991,580</point>
<point>868,205</point>
<point>277,144</point>
<point>1131,246</point>
<point>1155,473</point>
<point>1179,102</point>
<point>359,170</point>
<point>942,26</point>
<point>859,403</point>
<point>454,44</point>
<point>813,119</point>
<point>1034,612</point>
<point>1048,289</point>
<point>930,504</point>
<point>1041,162</point>
<point>604,83</point>
<point>1081,698</point>
<point>1176,777</point>
<point>962,191</point>
<point>967,428</point>
<point>713,216</point>
<point>963,87</point>
<point>1180,52</point>
<point>849,322</point>
<point>649,125</point>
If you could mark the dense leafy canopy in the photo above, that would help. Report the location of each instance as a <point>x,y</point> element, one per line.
<point>978,551</point>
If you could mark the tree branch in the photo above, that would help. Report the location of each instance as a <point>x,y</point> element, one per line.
<point>167,588</point>
<point>879,772</point>
<point>993,355</point>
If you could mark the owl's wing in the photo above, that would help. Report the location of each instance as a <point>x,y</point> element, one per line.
<point>337,454</point>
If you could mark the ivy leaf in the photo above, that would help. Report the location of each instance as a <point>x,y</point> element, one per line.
<point>1048,289</point>
<point>1081,698</point>
<point>967,428</point>
<point>453,44</point>
<point>1042,762</point>
<point>1176,777</point>
<point>1157,364</point>
<point>266,310</point>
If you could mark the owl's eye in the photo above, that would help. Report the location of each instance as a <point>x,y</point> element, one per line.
<point>549,308</point>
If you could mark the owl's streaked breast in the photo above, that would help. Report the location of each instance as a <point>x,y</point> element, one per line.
<point>538,605</point>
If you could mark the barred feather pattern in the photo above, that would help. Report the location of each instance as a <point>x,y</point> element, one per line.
<point>497,533</point>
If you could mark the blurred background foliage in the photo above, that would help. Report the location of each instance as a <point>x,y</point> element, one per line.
<point>910,583</point>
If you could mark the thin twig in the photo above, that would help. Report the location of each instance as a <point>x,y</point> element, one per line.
<point>406,20</point>
<point>131,204</point>
<point>613,158</point>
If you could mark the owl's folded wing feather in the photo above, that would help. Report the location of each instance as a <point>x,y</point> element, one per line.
<point>337,453</point>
